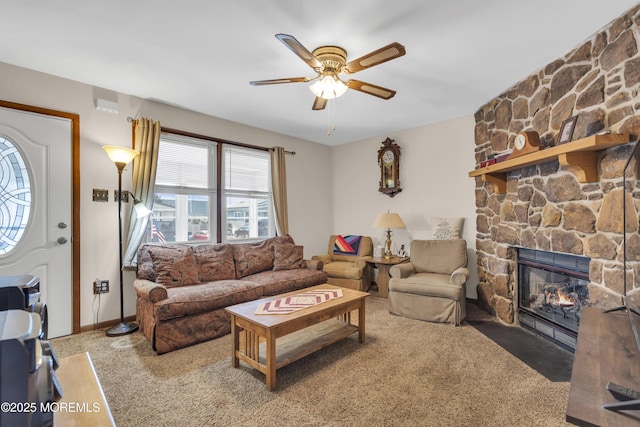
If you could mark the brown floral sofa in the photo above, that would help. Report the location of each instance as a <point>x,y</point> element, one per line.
<point>182,290</point>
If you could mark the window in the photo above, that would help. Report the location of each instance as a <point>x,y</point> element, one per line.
<point>186,192</point>
<point>247,193</point>
<point>15,196</point>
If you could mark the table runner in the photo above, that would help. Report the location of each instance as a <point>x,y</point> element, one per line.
<point>291,303</point>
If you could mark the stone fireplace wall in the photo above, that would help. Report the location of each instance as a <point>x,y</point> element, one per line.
<point>545,206</point>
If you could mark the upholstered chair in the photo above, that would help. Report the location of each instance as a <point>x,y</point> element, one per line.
<point>432,286</point>
<point>346,268</point>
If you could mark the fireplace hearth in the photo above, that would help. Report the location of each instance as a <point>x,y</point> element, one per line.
<point>552,290</point>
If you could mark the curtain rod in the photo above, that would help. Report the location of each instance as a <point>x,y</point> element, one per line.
<point>210,138</point>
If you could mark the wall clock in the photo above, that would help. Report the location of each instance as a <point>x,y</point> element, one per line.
<point>526,142</point>
<point>389,162</point>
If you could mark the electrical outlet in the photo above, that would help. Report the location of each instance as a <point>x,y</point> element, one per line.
<point>100,287</point>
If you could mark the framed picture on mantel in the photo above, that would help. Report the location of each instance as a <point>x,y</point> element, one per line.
<point>566,130</point>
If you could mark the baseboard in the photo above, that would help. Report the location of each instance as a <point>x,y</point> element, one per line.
<point>106,324</point>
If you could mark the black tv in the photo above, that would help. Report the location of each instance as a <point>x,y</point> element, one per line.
<point>629,398</point>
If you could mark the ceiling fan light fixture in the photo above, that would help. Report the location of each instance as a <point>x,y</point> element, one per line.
<point>328,87</point>
<point>329,62</point>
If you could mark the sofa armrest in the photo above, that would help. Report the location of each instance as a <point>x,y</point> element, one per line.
<point>360,262</point>
<point>402,271</point>
<point>313,264</point>
<point>152,291</point>
<point>324,258</point>
<point>459,276</point>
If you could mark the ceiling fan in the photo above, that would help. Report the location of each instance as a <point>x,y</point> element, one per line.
<point>331,61</point>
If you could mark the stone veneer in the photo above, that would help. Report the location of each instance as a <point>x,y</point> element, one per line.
<point>545,207</point>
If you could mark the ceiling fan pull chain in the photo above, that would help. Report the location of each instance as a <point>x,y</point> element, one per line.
<point>329,104</point>
<point>331,114</point>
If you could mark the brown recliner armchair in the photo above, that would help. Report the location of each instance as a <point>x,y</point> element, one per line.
<point>432,286</point>
<point>348,271</point>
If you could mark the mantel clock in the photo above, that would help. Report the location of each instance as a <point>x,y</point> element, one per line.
<point>526,142</point>
<point>389,162</point>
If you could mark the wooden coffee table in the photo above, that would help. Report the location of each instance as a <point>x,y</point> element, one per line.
<point>296,334</point>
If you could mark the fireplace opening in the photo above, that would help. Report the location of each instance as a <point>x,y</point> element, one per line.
<point>552,290</point>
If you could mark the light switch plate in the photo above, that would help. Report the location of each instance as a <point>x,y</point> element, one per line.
<point>100,195</point>
<point>125,196</point>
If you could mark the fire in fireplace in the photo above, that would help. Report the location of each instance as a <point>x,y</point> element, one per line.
<point>552,290</point>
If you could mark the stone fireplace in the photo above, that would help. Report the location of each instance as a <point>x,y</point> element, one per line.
<point>545,206</point>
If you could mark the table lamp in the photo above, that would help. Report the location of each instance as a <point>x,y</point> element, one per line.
<point>388,220</point>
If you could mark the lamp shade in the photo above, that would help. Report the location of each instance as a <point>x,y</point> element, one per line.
<point>140,209</point>
<point>119,154</point>
<point>328,87</point>
<point>389,220</point>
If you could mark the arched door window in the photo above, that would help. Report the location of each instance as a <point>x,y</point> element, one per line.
<point>15,196</point>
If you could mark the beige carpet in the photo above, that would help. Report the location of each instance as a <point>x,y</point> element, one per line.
<point>409,373</point>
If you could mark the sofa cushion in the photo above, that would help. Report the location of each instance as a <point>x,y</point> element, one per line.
<point>287,256</point>
<point>438,256</point>
<point>203,297</point>
<point>215,262</point>
<point>251,258</point>
<point>428,284</point>
<point>145,264</point>
<point>344,270</point>
<point>278,282</point>
<point>174,265</point>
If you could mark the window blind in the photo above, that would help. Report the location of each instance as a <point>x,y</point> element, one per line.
<point>182,165</point>
<point>246,170</point>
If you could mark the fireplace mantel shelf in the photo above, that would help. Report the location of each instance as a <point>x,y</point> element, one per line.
<point>579,157</point>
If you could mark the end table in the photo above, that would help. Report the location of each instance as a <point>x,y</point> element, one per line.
<point>383,265</point>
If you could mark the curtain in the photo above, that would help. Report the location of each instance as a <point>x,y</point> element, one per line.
<point>146,140</point>
<point>279,188</point>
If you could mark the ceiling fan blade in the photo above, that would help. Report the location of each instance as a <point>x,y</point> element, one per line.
<point>302,52</point>
<point>278,81</point>
<point>319,103</point>
<point>379,91</point>
<point>384,54</point>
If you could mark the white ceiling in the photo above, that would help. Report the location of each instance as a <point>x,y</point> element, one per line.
<point>201,54</point>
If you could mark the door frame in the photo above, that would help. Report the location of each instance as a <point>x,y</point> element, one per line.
<point>75,199</point>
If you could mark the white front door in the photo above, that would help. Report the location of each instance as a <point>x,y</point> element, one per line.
<point>42,191</point>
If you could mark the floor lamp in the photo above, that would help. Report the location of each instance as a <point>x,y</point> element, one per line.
<point>121,156</point>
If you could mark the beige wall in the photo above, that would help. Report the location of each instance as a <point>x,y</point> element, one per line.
<point>99,226</point>
<point>435,163</point>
